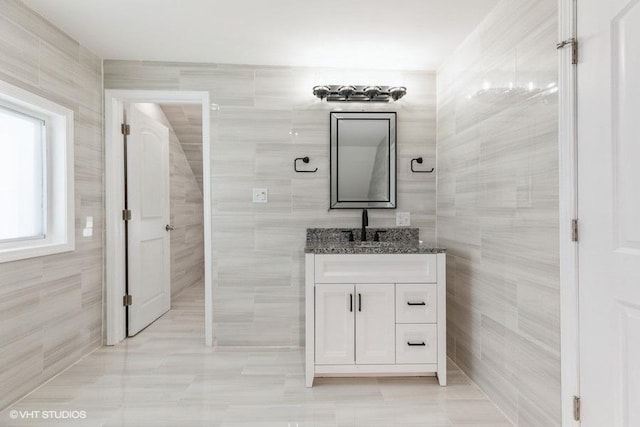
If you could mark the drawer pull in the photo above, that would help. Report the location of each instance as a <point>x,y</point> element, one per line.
<point>416,344</point>
<point>416,303</point>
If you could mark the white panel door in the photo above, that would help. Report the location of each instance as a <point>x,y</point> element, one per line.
<point>148,240</point>
<point>375,324</point>
<point>335,304</point>
<point>609,211</point>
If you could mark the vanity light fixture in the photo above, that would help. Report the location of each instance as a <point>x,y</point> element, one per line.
<point>346,91</point>
<point>359,93</point>
<point>372,91</point>
<point>321,91</point>
<point>397,92</point>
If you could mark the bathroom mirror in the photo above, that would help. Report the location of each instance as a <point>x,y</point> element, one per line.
<point>363,160</point>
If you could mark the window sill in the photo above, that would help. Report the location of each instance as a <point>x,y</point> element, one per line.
<point>33,251</point>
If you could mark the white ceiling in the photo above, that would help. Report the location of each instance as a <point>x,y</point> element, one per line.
<point>367,34</point>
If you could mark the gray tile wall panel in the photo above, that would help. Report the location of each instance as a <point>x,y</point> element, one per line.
<point>498,210</point>
<point>51,307</point>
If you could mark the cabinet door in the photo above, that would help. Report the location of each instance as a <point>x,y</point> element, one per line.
<point>375,324</point>
<point>335,306</point>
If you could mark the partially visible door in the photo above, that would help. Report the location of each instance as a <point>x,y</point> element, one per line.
<point>148,235</point>
<point>375,324</point>
<point>609,211</point>
<point>334,324</point>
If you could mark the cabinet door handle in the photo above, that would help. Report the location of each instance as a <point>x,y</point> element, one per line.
<point>351,303</point>
<point>415,344</point>
<point>359,302</point>
<point>416,303</point>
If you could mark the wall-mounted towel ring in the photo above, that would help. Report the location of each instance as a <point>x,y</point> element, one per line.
<point>304,160</point>
<point>419,160</point>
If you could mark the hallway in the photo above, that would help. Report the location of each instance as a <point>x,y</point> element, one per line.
<point>165,376</point>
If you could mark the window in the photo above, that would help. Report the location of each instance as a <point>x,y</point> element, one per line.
<point>36,175</point>
<point>22,172</point>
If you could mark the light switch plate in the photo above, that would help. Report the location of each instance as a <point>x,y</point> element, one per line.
<point>260,195</point>
<point>403,219</point>
<point>88,228</point>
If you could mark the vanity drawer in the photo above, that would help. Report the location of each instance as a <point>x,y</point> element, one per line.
<point>416,344</point>
<point>375,268</point>
<point>416,303</point>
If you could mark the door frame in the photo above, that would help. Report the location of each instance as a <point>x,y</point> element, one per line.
<point>568,204</point>
<point>115,241</point>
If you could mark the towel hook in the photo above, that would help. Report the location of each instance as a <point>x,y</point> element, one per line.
<point>304,160</point>
<point>419,160</point>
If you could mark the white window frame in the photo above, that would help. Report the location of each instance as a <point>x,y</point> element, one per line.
<point>59,178</point>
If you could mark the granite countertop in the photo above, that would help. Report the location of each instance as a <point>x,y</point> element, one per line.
<point>393,241</point>
<point>356,248</point>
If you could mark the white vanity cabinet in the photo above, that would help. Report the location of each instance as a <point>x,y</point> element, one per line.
<point>375,314</point>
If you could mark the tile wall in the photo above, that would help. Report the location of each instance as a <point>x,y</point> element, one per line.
<point>263,118</point>
<point>51,307</point>
<point>186,121</point>
<point>498,208</point>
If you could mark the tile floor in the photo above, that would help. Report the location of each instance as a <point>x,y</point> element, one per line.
<point>165,376</point>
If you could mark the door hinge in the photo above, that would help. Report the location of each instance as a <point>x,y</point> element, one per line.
<point>126,215</point>
<point>126,129</point>
<point>574,230</point>
<point>127,300</point>
<point>576,408</point>
<point>573,42</point>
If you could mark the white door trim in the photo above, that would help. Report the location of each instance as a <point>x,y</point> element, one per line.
<point>114,202</point>
<point>569,320</point>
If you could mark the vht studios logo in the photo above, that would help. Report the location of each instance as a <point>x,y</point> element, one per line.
<point>47,415</point>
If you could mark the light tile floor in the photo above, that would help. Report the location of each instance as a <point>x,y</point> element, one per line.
<point>165,376</point>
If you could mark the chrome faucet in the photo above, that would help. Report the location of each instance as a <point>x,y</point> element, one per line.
<point>365,223</point>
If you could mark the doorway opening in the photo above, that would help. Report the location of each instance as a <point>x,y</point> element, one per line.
<point>157,183</point>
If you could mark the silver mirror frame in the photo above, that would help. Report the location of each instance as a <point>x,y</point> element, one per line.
<point>391,117</point>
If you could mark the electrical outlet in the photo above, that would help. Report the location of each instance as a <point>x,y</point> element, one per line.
<point>403,219</point>
<point>260,195</point>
